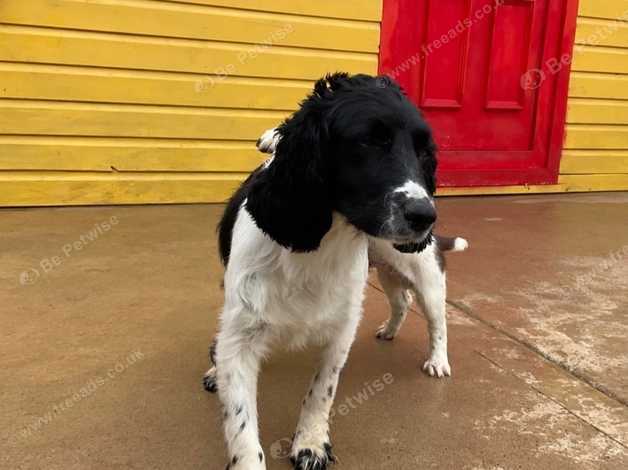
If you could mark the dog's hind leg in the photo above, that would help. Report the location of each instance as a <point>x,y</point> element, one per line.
<point>311,448</point>
<point>238,355</point>
<point>399,299</point>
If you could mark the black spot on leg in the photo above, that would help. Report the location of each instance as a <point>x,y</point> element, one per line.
<point>241,428</point>
<point>212,351</point>
<point>330,391</point>
<point>328,450</point>
<point>335,370</point>
<point>239,409</point>
<point>316,377</point>
<point>261,456</point>
<point>309,394</point>
<point>234,460</point>
<point>210,383</point>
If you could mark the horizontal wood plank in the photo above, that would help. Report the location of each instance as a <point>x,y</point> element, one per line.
<point>596,137</point>
<point>598,85</point>
<point>46,189</point>
<point>85,119</point>
<point>598,32</point>
<point>369,10</point>
<point>115,154</point>
<point>600,59</point>
<point>65,83</point>
<point>167,19</point>
<point>594,182</point>
<point>65,47</point>
<point>595,111</point>
<point>594,161</point>
<point>610,9</point>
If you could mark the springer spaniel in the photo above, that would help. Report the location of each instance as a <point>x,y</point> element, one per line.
<point>350,183</point>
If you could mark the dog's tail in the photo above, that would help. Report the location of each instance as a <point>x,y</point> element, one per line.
<point>267,143</point>
<point>453,244</point>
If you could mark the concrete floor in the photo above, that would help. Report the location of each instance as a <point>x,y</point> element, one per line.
<point>104,335</point>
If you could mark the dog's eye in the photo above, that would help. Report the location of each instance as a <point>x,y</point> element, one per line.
<point>378,137</point>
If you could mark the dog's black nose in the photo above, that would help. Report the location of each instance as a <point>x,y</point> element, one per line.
<point>420,213</point>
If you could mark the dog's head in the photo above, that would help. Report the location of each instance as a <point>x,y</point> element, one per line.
<point>356,146</point>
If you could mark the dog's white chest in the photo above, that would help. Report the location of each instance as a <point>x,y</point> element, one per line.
<point>302,296</point>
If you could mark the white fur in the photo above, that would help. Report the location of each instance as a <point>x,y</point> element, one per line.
<point>268,141</point>
<point>273,295</point>
<point>413,190</point>
<point>421,273</point>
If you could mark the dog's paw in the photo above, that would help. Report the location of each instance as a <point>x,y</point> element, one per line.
<point>267,142</point>
<point>437,366</point>
<point>311,449</point>
<point>384,332</point>
<point>210,382</point>
<point>313,459</point>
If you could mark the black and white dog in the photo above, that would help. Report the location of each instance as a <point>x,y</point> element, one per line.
<point>350,182</point>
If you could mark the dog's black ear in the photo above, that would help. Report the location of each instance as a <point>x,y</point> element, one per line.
<point>290,201</point>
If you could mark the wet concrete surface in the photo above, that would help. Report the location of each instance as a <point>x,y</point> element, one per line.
<point>103,342</point>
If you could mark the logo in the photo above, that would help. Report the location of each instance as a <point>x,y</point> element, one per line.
<point>29,277</point>
<point>281,449</point>
<point>532,79</point>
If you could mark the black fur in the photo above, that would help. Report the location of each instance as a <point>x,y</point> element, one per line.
<point>225,226</point>
<point>415,247</point>
<point>210,384</point>
<point>353,140</point>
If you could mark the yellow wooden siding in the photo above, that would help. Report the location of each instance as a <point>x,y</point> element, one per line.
<point>133,101</point>
<point>161,19</point>
<point>596,144</point>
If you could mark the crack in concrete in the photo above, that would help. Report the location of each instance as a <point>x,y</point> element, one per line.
<point>465,309</point>
<point>528,345</point>
<point>552,399</point>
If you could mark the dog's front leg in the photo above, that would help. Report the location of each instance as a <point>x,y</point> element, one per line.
<point>311,448</point>
<point>238,355</point>
<point>431,291</point>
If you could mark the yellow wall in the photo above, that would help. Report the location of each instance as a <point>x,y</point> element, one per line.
<point>127,101</point>
<point>596,145</point>
<point>130,101</point>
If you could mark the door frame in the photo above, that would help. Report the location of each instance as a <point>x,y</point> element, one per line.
<point>395,43</point>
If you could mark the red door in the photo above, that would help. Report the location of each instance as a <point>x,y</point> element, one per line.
<point>491,77</point>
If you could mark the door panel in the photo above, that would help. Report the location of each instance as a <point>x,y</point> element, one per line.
<point>481,70</point>
<point>444,73</point>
